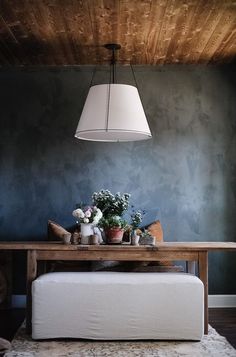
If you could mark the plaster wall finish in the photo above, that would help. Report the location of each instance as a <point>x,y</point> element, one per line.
<point>187,171</point>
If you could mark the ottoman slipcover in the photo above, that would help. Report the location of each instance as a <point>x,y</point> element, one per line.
<point>117,306</point>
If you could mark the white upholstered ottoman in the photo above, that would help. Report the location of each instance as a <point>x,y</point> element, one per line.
<point>114,305</point>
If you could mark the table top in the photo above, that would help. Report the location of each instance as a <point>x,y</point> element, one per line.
<point>172,246</point>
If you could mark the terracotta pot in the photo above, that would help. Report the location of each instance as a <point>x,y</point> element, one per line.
<point>114,235</point>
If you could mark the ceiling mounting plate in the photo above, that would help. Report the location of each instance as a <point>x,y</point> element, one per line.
<point>112,46</point>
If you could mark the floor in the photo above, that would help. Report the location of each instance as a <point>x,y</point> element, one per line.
<point>10,321</point>
<point>223,320</point>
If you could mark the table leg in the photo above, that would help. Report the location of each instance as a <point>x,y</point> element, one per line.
<point>190,267</point>
<point>5,279</point>
<point>203,275</point>
<point>31,275</point>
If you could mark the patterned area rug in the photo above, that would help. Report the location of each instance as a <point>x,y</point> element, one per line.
<point>212,345</point>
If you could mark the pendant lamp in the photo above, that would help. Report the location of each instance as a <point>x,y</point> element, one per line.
<point>113,112</point>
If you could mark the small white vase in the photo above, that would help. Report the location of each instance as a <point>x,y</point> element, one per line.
<point>86,230</point>
<point>134,238</point>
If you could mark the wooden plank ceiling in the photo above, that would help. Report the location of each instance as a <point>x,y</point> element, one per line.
<point>70,32</point>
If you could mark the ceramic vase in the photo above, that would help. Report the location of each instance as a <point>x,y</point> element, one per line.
<point>86,230</point>
<point>134,238</point>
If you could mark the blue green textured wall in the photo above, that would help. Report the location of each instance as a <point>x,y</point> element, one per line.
<point>187,171</point>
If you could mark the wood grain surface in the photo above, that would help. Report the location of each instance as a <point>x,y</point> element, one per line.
<point>71,32</point>
<point>172,246</point>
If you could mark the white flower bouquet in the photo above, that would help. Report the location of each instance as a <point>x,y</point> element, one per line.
<point>111,205</point>
<point>90,214</point>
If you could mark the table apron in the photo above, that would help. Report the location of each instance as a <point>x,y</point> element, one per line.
<point>117,255</point>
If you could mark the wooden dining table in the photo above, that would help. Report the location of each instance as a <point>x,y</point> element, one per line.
<point>191,252</point>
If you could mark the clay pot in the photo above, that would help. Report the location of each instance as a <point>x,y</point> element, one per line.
<point>67,238</point>
<point>75,239</point>
<point>94,239</point>
<point>114,235</point>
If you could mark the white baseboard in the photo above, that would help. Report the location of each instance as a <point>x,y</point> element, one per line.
<point>19,301</point>
<point>222,300</point>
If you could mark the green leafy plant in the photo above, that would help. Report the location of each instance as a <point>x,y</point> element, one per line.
<point>145,234</point>
<point>112,222</point>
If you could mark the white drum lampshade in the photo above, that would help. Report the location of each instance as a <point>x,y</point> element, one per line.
<point>113,112</point>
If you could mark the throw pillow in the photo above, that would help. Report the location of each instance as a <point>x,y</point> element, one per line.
<point>55,231</point>
<point>155,229</point>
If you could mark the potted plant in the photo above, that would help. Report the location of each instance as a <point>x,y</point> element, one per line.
<point>112,207</point>
<point>114,227</point>
<point>136,219</point>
